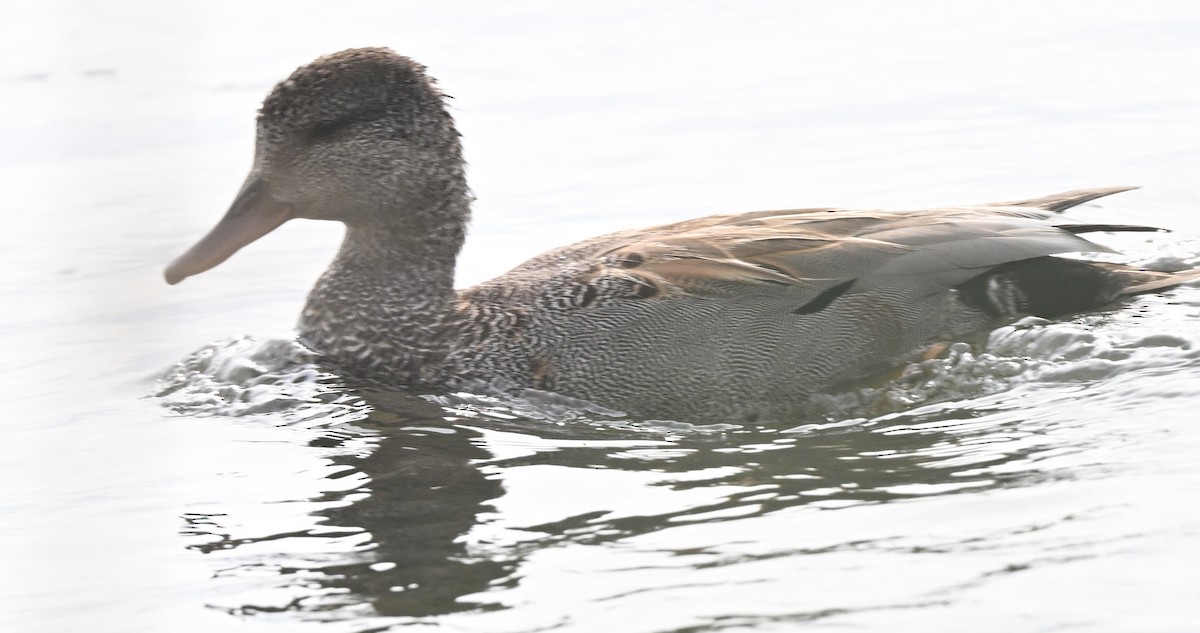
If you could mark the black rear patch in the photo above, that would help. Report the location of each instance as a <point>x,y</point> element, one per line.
<point>1047,287</point>
<point>823,300</point>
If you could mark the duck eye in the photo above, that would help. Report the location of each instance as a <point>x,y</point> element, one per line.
<point>325,129</point>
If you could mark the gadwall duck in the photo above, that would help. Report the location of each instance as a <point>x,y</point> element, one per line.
<point>724,316</point>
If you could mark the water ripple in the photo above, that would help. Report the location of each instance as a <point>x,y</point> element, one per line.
<point>247,377</point>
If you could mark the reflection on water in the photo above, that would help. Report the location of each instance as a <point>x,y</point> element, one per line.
<point>390,546</point>
<point>452,500</point>
<point>1040,480</point>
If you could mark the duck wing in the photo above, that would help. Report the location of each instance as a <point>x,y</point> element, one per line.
<point>814,255</point>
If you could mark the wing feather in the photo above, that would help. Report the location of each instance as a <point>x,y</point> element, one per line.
<point>802,253</point>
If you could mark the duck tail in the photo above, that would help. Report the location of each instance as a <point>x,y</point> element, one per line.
<point>1156,281</point>
<point>1060,202</point>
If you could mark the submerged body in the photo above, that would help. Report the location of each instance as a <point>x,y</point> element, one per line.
<point>733,315</point>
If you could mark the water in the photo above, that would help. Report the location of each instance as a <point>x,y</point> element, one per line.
<point>174,463</point>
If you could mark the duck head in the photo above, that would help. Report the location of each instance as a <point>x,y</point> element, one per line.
<point>362,137</point>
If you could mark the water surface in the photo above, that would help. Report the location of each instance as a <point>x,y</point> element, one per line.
<point>175,463</point>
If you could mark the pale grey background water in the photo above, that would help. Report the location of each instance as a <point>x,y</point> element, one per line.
<point>1047,483</point>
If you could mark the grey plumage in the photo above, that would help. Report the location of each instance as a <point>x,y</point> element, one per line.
<point>730,315</point>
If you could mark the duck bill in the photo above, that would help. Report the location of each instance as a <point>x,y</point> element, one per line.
<point>254,213</point>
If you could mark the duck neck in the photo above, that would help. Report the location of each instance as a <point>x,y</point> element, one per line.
<point>385,305</point>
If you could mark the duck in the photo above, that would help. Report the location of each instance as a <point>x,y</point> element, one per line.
<point>731,316</point>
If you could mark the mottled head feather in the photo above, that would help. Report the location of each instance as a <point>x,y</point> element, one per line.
<point>362,136</point>
<point>354,80</point>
